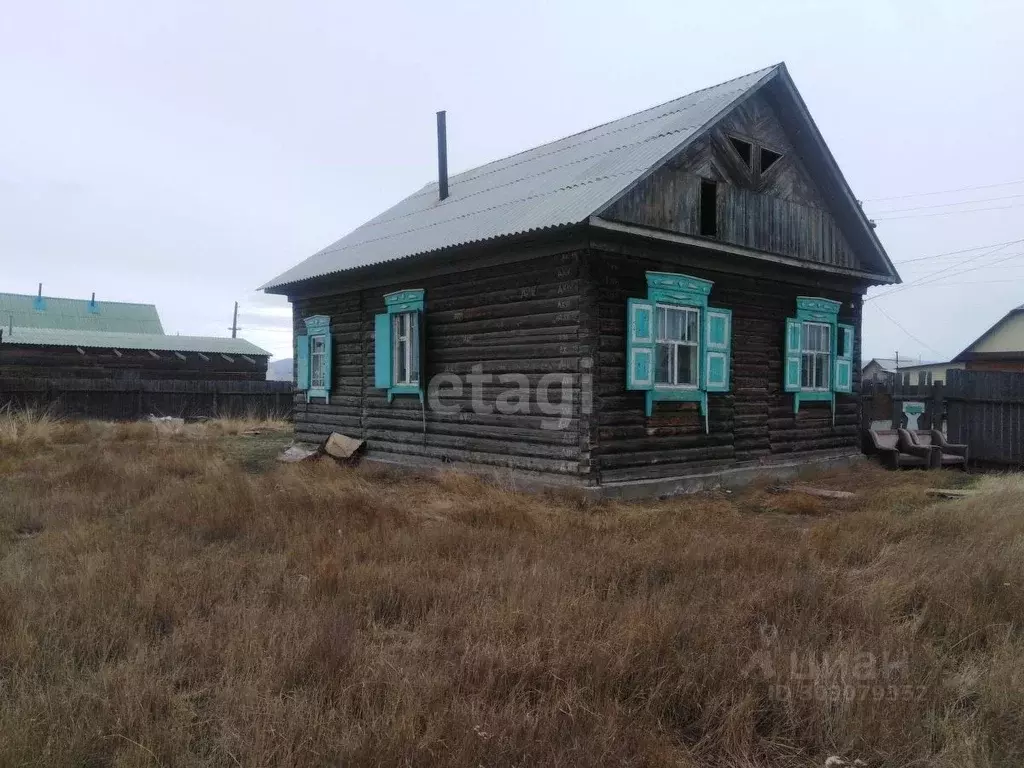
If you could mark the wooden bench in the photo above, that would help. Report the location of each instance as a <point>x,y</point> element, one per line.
<point>896,449</point>
<point>944,454</point>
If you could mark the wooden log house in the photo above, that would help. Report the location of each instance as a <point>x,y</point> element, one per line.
<point>692,275</point>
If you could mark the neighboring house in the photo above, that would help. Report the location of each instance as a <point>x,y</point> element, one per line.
<point>923,374</point>
<point>888,369</point>
<point>881,370</point>
<point>691,275</point>
<point>1000,348</point>
<point>48,337</point>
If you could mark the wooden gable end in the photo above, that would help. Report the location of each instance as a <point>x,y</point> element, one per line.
<point>779,210</point>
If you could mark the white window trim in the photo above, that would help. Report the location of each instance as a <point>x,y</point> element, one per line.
<point>408,319</point>
<point>695,344</point>
<point>317,362</point>
<point>828,354</point>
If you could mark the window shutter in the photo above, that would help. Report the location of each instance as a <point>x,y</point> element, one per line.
<point>328,360</point>
<point>382,351</point>
<point>302,362</point>
<point>842,380</point>
<point>421,335</point>
<point>791,375</point>
<point>639,344</point>
<point>717,349</point>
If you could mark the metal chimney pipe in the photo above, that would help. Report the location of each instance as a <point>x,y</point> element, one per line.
<point>40,294</point>
<point>442,157</point>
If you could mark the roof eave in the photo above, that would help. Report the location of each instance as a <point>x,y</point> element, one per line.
<point>294,287</point>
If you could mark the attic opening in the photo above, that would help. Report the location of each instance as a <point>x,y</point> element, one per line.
<point>768,159</point>
<point>708,208</point>
<point>745,150</point>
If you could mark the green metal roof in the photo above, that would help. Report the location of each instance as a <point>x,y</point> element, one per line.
<point>24,311</point>
<point>158,342</point>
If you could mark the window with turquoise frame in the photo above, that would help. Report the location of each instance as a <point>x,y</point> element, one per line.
<point>313,357</point>
<point>398,344</point>
<point>678,349</point>
<point>819,353</point>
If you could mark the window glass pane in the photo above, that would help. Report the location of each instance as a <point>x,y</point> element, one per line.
<point>663,366</point>
<point>316,362</point>
<point>691,325</point>
<point>414,347</point>
<point>686,364</point>
<point>806,370</point>
<point>399,364</point>
<point>662,323</point>
<point>677,325</point>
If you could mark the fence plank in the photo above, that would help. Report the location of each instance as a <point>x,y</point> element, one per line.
<point>125,399</point>
<point>984,409</point>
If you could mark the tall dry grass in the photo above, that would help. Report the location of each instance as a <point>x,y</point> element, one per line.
<point>162,605</point>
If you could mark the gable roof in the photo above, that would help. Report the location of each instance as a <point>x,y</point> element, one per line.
<point>25,311</point>
<point>887,364</point>
<point>562,183</point>
<point>158,342</point>
<point>968,351</point>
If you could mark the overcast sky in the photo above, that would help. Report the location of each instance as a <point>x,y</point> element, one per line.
<point>183,153</point>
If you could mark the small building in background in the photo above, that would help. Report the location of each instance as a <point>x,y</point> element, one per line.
<point>924,374</point>
<point>1000,348</point>
<point>47,337</point>
<point>880,370</point>
<point>887,370</point>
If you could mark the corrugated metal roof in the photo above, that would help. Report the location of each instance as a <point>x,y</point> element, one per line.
<point>62,337</point>
<point>78,314</point>
<point>561,183</point>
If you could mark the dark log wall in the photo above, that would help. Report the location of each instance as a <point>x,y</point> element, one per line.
<point>753,422</point>
<point>68,362</point>
<point>781,211</point>
<point>522,317</point>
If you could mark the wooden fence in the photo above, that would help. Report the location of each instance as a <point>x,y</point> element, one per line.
<point>124,399</point>
<point>984,409</point>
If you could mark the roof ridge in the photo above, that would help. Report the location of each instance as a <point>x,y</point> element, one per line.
<point>70,298</point>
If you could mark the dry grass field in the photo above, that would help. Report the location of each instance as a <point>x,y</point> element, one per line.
<point>180,600</point>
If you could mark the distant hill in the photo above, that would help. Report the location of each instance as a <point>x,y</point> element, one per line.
<point>280,370</point>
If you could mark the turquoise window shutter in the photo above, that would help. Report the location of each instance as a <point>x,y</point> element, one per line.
<point>328,361</point>
<point>302,362</point>
<point>382,351</point>
<point>421,330</point>
<point>717,349</point>
<point>640,344</point>
<point>791,375</point>
<point>842,380</point>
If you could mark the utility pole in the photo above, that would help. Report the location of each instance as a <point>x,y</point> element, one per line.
<point>234,323</point>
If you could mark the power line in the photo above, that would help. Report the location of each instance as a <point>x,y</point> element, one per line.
<point>950,205</point>
<point>921,279</point>
<point>945,213</point>
<point>974,269</point>
<point>945,191</point>
<point>891,320</point>
<point>962,250</point>
<point>934,278</point>
<point>975,282</point>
